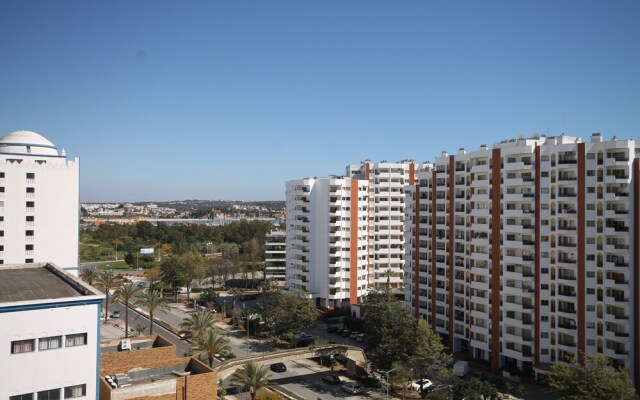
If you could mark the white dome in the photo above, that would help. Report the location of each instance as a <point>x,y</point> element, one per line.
<point>27,142</point>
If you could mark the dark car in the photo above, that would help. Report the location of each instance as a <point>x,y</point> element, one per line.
<point>332,379</point>
<point>305,340</point>
<point>278,367</point>
<point>346,333</point>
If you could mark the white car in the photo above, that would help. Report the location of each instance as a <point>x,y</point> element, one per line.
<point>415,386</point>
<point>352,388</point>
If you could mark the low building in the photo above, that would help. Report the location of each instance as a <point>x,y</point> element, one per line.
<point>147,368</point>
<point>49,334</point>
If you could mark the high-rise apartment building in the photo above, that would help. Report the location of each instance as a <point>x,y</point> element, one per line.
<point>39,202</point>
<point>327,242</point>
<point>386,218</point>
<point>526,253</point>
<point>275,256</point>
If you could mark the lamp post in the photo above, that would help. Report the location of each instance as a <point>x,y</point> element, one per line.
<point>387,374</point>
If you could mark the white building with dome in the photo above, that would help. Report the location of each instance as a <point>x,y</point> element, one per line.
<point>39,202</point>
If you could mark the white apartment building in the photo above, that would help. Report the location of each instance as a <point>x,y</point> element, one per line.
<point>275,256</point>
<point>39,202</point>
<point>49,334</point>
<point>527,253</point>
<point>386,218</point>
<point>327,245</point>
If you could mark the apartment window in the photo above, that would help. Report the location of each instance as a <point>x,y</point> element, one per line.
<point>31,175</point>
<point>591,189</point>
<point>591,156</point>
<point>544,335</point>
<point>78,339</point>
<point>591,172</point>
<point>591,307</point>
<point>31,204</point>
<point>22,397</point>
<point>49,343</point>
<point>28,247</point>
<point>591,291</point>
<point>30,218</point>
<point>28,261</point>
<point>71,392</point>
<point>544,286</point>
<point>53,394</point>
<point>1,218</point>
<point>591,257</point>
<point>544,174</point>
<point>591,223</point>
<point>591,240</point>
<point>31,190</point>
<point>591,206</point>
<point>1,247</point>
<point>544,352</point>
<point>1,203</point>
<point>1,189</point>
<point>1,174</point>
<point>544,270</point>
<point>544,302</point>
<point>544,318</point>
<point>28,233</point>
<point>591,325</point>
<point>23,346</point>
<point>1,233</point>
<point>544,158</point>
<point>544,190</point>
<point>591,342</point>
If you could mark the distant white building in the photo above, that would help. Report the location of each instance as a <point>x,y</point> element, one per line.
<point>275,256</point>
<point>39,202</point>
<point>49,334</point>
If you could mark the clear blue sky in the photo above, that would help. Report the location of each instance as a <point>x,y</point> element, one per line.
<point>176,100</point>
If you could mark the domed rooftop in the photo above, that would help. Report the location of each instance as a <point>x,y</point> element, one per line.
<point>27,142</point>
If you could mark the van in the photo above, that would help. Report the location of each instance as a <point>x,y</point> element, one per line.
<point>461,368</point>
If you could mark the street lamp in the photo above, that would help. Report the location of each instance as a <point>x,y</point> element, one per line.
<point>387,373</point>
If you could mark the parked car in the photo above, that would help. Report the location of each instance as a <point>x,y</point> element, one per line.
<point>346,333</point>
<point>352,388</point>
<point>278,367</point>
<point>416,385</point>
<point>461,368</point>
<point>332,379</point>
<point>115,314</point>
<point>360,337</point>
<point>306,339</point>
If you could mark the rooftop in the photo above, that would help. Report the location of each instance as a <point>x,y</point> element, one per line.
<point>44,281</point>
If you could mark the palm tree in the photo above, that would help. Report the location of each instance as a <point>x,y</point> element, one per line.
<point>89,275</point>
<point>196,325</point>
<point>210,343</point>
<point>125,293</point>
<point>109,282</point>
<point>252,376</point>
<point>152,300</point>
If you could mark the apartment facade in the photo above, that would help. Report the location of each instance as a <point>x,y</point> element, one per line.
<point>275,244</point>
<point>526,253</point>
<point>49,334</point>
<point>39,202</point>
<point>327,246</point>
<point>386,218</point>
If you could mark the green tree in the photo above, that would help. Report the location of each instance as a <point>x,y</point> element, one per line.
<point>124,294</point>
<point>89,275</point>
<point>210,343</point>
<point>288,313</point>
<point>389,328</point>
<point>193,269</point>
<point>197,324</point>
<point>152,300</point>
<point>252,376</point>
<point>108,281</point>
<point>595,379</point>
<point>473,390</point>
<point>172,272</point>
<point>427,356</point>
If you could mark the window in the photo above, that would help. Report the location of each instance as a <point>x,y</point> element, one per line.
<point>28,247</point>
<point>31,175</point>
<point>78,339</point>
<point>1,174</point>
<point>591,223</point>
<point>544,174</point>
<point>544,335</point>
<point>31,190</point>
<point>23,346</point>
<point>591,206</point>
<point>591,240</point>
<point>28,261</point>
<point>71,392</point>
<point>591,172</point>
<point>53,394</point>
<point>544,302</point>
<point>591,156</point>
<point>30,218</point>
<point>31,204</point>
<point>591,257</point>
<point>28,233</point>
<point>544,158</point>
<point>591,274</point>
<point>22,397</point>
<point>1,189</point>
<point>591,307</point>
<point>1,233</point>
<point>48,343</point>
<point>591,291</point>
<point>1,247</point>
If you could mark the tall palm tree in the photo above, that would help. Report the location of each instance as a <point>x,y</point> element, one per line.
<point>210,343</point>
<point>89,275</point>
<point>109,282</point>
<point>252,376</point>
<point>197,324</point>
<point>125,293</point>
<point>152,300</point>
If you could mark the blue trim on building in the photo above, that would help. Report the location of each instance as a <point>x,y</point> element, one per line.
<point>29,307</point>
